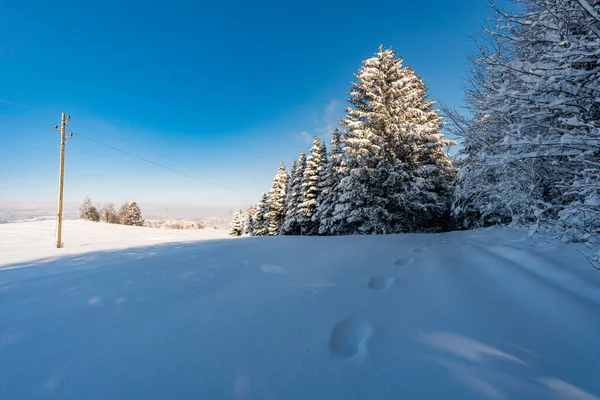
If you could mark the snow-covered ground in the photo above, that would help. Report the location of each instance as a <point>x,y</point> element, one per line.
<point>21,242</point>
<point>138,313</point>
<point>8,215</point>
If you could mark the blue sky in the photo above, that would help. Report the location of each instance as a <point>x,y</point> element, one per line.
<point>229,88</point>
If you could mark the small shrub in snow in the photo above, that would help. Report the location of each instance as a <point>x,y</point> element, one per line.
<point>123,212</point>
<point>88,212</point>
<point>109,214</point>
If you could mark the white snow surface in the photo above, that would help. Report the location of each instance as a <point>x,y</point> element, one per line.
<point>140,313</point>
<point>20,242</point>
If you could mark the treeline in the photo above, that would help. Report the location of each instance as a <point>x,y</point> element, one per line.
<point>530,145</point>
<point>386,171</point>
<point>128,213</point>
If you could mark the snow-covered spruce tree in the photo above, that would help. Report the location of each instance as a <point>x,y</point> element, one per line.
<point>88,212</point>
<point>330,194</point>
<point>423,152</point>
<point>244,221</point>
<point>532,148</point>
<point>133,215</point>
<point>261,217</point>
<point>311,187</point>
<point>249,226</point>
<point>288,195</point>
<point>277,196</point>
<point>397,176</point>
<point>237,224</point>
<point>291,225</point>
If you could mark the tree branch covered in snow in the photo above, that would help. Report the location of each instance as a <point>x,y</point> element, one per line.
<point>531,147</point>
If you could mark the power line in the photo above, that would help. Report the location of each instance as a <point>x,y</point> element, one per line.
<point>85,137</point>
<point>187,166</point>
<point>35,126</point>
<point>209,179</point>
<point>26,106</point>
<point>26,124</point>
<point>225,185</point>
<point>20,118</point>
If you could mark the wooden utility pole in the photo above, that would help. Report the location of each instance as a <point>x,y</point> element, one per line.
<point>61,179</point>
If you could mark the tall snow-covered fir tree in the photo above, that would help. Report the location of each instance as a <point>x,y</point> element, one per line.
<point>423,152</point>
<point>398,177</point>
<point>133,216</point>
<point>329,194</point>
<point>261,216</point>
<point>277,196</point>
<point>291,221</point>
<point>532,149</point>
<point>311,187</point>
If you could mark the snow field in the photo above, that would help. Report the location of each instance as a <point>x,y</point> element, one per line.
<point>486,314</point>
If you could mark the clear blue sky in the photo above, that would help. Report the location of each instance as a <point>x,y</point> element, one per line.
<point>229,88</point>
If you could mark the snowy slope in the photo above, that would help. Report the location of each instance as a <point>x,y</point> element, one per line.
<point>35,240</point>
<point>124,314</point>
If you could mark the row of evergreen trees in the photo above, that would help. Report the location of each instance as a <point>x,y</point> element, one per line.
<point>129,213</point>
<point>530,144</point>
<point>386,172</point>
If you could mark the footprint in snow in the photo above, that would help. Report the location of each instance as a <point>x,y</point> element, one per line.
<point>94,301</point>
<point>404,261</point>
<point>381,282</point>
<point>349,337</point>
<point>272,269</point>
<point>421,249</point>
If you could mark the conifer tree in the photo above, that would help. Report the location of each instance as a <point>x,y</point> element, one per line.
<point>261,217</point>
<point>288,196</point>
<point>291,225</point>
<point>277,196</point>
<point>133,215</point>
<point>311,187</point>
<point>237,224</point>
<point>423,152</point>
<point>329,194</point>
<point>397,177</point>
<point>249,225</point>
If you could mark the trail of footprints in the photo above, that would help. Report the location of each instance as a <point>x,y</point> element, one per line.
<point>349,336</point>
